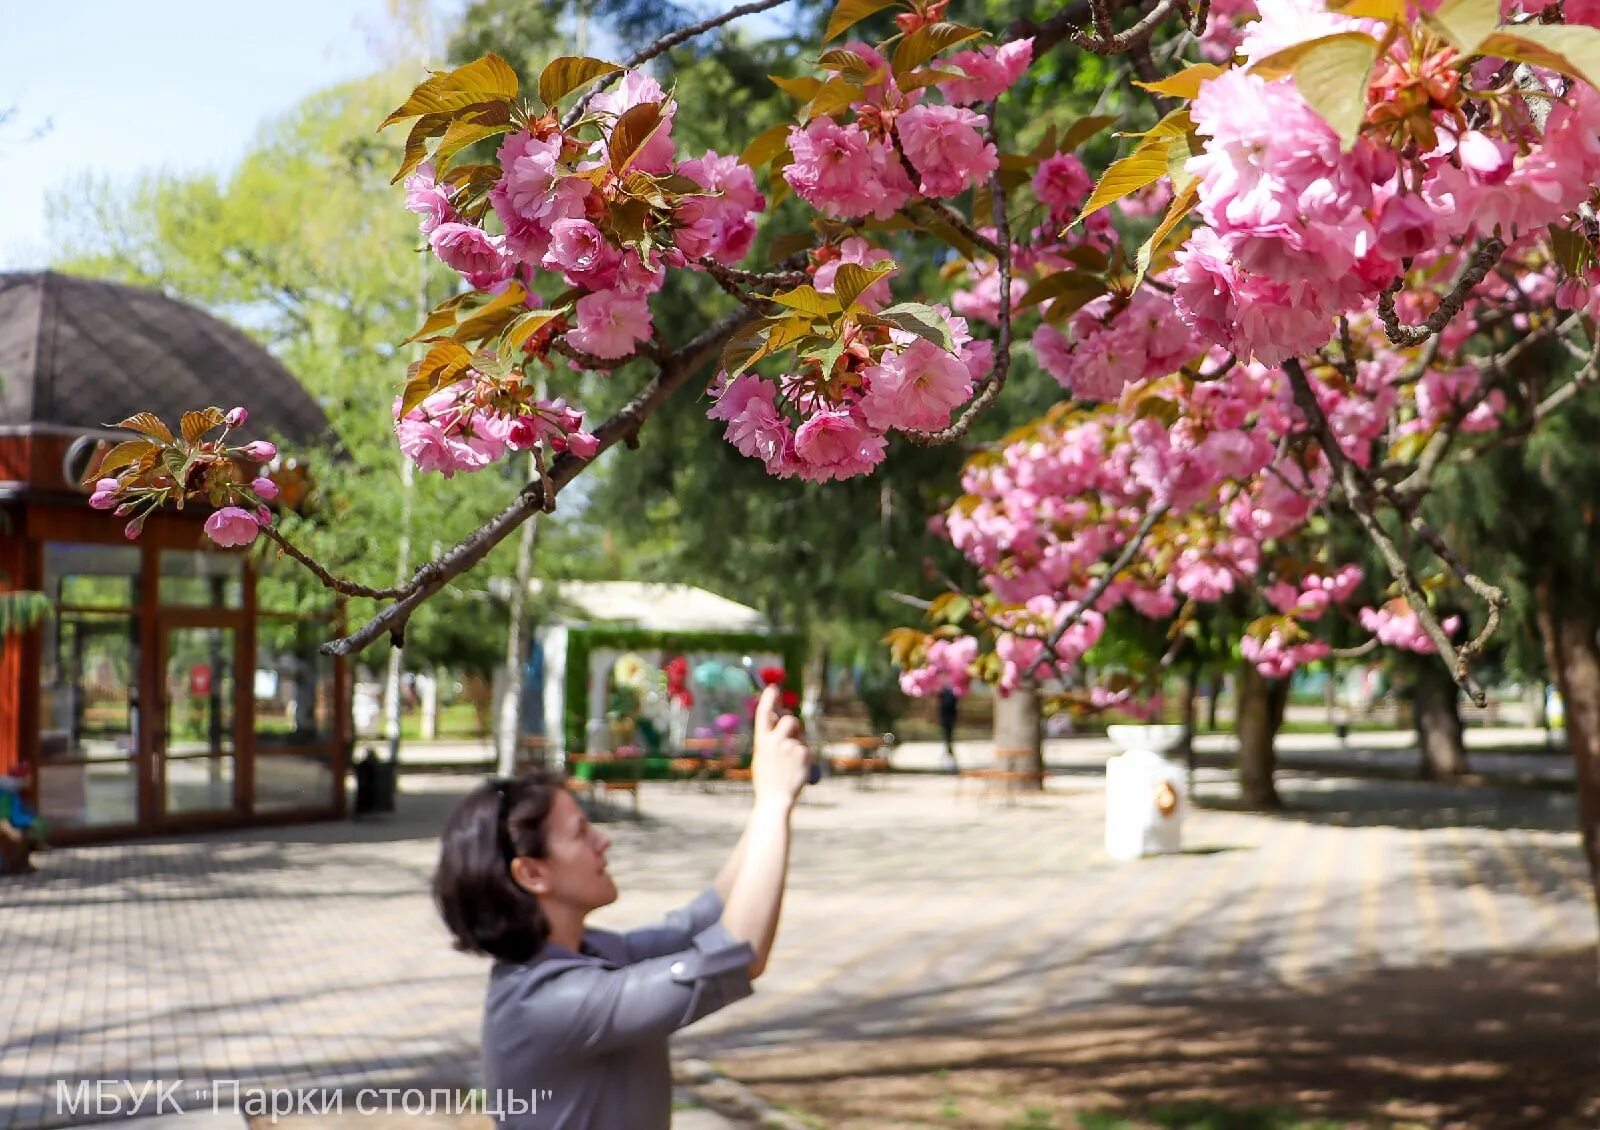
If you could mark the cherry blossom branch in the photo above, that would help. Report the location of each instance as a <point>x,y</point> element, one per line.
<point>996,379</point>
<point>1473,273</point>
<point>539,494</point>
<point>1357,494</point>
<point>337,584</point>
<point>589,360</point>
<point>1076,610</point>
<point>1134,37</point>
<point>666,43</point>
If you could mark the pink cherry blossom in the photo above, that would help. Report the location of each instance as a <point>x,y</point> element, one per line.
<point>428,199</point>
<point>231,526</point>
<point>915,389</point>
<point>945,147</point>
<point>990,71</point>
<point>611,324</point>
<point>575,246</point>
<point>843,172</point>
<point>481,258</point>
<point>836,445</point>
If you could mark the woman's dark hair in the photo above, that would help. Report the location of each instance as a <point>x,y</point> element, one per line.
<point>483,907</point>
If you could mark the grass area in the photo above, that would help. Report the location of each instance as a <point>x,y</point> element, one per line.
<point>1194,1116</point>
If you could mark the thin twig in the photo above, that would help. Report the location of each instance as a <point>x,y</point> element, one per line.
<point>1136,36</point>
<point>337,584</point>
<point>667,43</point>
<point>1356,496</point>
<point>1472,273</point>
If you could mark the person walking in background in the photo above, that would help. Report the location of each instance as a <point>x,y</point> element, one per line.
<point>580,1017</point>
<point>949,707</point>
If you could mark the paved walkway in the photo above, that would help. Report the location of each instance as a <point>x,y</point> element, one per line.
<point>311,955</point>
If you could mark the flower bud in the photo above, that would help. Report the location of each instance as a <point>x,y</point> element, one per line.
<point>236,417</point>
<point>133,529</point>
<point>265,489</point>
<point>103,499</point>
<point>260,450</point>
<point>584,445</point>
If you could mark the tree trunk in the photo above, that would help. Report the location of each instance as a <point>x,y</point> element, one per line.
<point>1259,704</point>
<point>1191,691</point>
<point>1438,722</point>
<point>1213,694</point>
<point>1019,724</point>
<point>1574,659</point>
<point>508,715</point>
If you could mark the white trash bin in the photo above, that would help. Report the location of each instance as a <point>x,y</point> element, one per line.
<point>1144,793</point>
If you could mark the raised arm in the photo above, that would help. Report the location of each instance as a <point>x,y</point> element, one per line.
<point>759,867</point>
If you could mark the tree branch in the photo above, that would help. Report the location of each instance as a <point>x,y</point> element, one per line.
<point>337,584</point>
<point>667,43</point>
<point>1357,494</point>
<point>1472,273</point>
<point>534,496</point>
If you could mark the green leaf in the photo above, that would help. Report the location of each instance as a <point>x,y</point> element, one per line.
<point>808,300</point>
<point>1571,251</point>
<point>1464,24</point>
<point>1331,72</point>
<point>1407,448</point>
<point>633,131</point>
<point>149,424</point>
<point>1070,288</point>
<point>1183,202</point>
<point>486,79</point>
<point>805,88</point>
<point>1082,130</point>
<point>524,326</point>
<point>1144,166</point>
<point>927,41</point>
<point>1184,84</point>
<point>924,321</point>
<point>833,96</point>
<point>1572,49</point>
<point>848,13</point>
<point>196,424</point>
<point>852,280</point>
<point>767,145</point>
<point>564,75</point>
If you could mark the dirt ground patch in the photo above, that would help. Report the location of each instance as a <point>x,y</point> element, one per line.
<point>1510,1043</point>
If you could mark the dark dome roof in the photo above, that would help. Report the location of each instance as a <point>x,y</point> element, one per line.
<point>79,354</point>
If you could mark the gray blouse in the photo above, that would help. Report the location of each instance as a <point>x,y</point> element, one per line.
<point>578,1041</point>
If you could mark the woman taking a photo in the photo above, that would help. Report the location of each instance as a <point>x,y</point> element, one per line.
<point>579,1017</point>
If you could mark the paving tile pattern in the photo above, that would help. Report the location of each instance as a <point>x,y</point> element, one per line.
<point>312,956</point>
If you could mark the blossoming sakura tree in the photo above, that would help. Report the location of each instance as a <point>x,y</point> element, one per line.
<point>1356,243</point>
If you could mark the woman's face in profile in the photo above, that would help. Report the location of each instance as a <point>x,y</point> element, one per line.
<point>573,872</point>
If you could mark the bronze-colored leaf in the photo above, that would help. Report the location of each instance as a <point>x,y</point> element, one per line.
<point>927,41</point>
<point>149,424</point>
<point>848,13</point>
<point>196,424</point>
<point>851,280</point>
<point>123,455</point>
<point>767,145</point>
<point>485,79</point>
<point>423,130</point>
<point>632,132</point>
<point>475,125</point>
<point>564,75</point>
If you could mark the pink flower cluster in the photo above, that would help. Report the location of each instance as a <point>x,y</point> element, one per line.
<point>553,218</point>
<point>453,431</point>
<point>1397,625</point>
<point>1109,350</point>
<point>912,385</point>
<point>848,169</point>
<point>946,663</point>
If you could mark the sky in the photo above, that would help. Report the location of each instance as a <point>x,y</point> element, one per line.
<point>120,87</point>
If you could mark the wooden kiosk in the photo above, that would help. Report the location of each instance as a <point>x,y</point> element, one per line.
<point>174,686</point>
